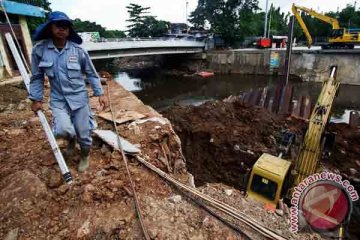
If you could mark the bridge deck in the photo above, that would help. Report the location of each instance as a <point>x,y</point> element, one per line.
<point>100,50</point>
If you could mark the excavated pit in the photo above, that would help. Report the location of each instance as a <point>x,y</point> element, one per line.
<point>222,140</point>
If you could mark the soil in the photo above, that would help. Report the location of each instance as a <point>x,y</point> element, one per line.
<point>221,141</point>
<point>36,204</point>
<point>216,138</point>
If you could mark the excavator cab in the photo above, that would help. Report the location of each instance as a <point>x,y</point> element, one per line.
<point>268,177</point>
<point>337,33</point>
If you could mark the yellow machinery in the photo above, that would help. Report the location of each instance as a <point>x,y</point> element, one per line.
<point>272,177</point>
<point>340,37</point>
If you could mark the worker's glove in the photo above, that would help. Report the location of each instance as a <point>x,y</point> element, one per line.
<point>36,106</point>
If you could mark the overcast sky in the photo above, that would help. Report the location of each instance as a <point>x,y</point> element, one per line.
<point>112,14</point>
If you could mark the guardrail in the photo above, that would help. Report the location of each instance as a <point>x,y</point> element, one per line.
<point>148,39</point>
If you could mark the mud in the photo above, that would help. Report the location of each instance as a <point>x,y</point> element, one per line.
<point>222,140</point>
<point>36,204</point>
<point>216,138</point>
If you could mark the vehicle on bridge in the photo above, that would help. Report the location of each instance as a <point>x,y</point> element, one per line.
<point>340,38</point>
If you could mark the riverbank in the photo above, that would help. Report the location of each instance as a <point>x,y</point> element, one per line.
<point>100,203</point>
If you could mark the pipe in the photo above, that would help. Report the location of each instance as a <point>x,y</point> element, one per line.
<point>50,136</point>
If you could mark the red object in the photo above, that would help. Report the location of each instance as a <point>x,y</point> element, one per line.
<point>205,74</point>
<point>263,43</point>
<point>270,207</point>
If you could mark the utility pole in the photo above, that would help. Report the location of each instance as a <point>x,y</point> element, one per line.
<point>266,17</point>
<point>269,28</point>
<point>289,50</point>
<point>186,12</point>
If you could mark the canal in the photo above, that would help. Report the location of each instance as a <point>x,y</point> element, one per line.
<point>157,88</point>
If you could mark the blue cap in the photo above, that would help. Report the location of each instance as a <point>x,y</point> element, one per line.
<point>43,31</point>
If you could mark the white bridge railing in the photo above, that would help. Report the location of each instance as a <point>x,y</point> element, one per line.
<point>143,43</point>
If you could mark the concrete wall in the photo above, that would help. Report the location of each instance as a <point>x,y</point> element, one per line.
<point>309,65</point>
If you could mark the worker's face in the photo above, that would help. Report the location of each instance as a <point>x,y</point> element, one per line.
<point>60,30</point>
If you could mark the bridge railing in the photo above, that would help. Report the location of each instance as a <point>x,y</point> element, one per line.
<point>146,39</point>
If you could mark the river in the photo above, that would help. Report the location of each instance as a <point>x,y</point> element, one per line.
<point>160,90</point>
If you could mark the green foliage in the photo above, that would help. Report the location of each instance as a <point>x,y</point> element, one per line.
<point>114,34</point>
<point>348,17</point>
<point>235,19</point>
<point>226,17</point>
<point>278,21</point>
<point>143,25</point>
<point>34,22</point>
<point>87,26</point>
<point>79,25</point>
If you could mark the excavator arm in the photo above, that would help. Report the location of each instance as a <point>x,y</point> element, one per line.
<point>295,10</point>
<point>273,177</point>
<point>308,159</point>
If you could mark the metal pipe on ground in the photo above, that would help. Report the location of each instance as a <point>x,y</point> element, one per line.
<point>221,206</point>
<point>50,136</point>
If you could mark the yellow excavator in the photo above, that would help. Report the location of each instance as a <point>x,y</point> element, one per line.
<point>340,38</point>
<point>272,177</point>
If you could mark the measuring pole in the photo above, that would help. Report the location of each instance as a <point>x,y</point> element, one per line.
<point>50,136</point>
<point>289,50</point>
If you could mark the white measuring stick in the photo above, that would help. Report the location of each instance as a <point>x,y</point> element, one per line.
<point>50,136</point>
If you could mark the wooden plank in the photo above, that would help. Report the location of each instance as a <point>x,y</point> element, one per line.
<point>122,116</point>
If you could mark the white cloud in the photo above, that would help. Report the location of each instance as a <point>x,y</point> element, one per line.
<point>112,14</point>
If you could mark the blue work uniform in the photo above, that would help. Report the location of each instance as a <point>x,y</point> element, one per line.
<point>69,100</point>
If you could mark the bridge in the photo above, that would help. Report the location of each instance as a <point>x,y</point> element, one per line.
<point>133,47</point>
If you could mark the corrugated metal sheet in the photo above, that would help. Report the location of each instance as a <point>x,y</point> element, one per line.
<point>280,100</point>
<point>23,9</point>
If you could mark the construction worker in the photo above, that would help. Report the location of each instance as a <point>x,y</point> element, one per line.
<point>60,57</point>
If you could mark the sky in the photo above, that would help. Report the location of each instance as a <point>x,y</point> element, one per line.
<point>112,14</point>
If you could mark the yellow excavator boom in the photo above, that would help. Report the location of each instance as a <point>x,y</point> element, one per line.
<point>295,10</point>
<point>308,159</point>
<point>272,177</point>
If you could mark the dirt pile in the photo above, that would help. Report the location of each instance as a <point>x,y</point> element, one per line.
<point>217,137</point>
<point>35,204</point>
<point>221,140</point>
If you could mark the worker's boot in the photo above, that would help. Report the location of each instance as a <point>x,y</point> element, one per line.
<point>84,159</point>
<point>70,148</point>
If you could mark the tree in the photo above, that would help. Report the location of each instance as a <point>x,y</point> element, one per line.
<point>137,18</point>
<point>224,17</point>
<point>114,34</point>
<point>278,21</point>
<point>198,17</point>
<point>87,26</point>
<point>154,27</point>
<point>34,22</point>
<point>143,25</point>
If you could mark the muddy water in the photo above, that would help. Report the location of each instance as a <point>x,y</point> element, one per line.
<point>161,90</point>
